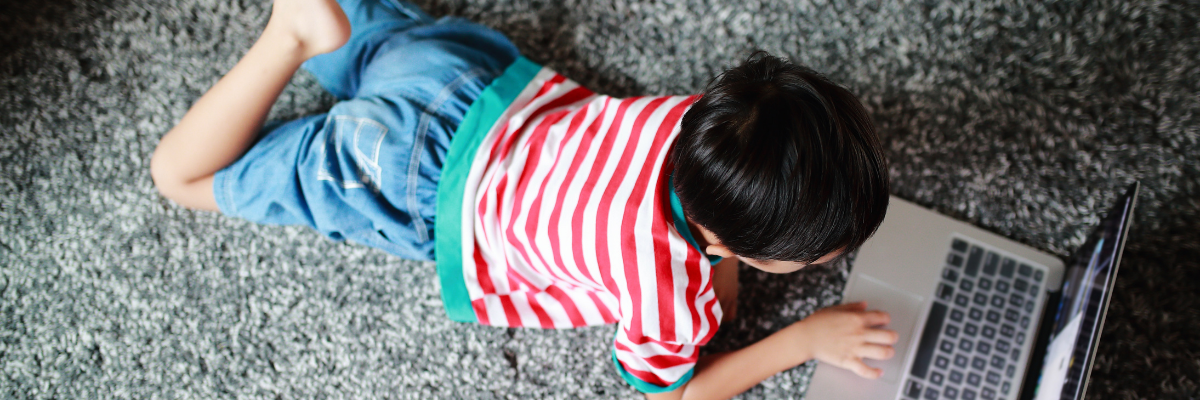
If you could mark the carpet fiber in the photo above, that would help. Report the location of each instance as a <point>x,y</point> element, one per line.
<point>1024,117</point>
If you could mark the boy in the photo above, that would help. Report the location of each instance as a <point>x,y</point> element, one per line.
<point>555,207</point>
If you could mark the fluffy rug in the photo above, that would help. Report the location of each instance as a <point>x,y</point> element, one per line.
<point>1024,117</point>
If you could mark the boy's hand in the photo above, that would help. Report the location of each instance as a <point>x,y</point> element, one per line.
<point>844,335</point>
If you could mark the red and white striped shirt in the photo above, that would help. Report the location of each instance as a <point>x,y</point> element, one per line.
<point>565,220</point>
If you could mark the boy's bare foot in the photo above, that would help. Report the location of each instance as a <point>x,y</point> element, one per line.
<point>315,26</point>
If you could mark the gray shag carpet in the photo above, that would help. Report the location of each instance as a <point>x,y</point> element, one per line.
<point>1024,117</point>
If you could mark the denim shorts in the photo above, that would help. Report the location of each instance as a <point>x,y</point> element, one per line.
<point>367,171</point>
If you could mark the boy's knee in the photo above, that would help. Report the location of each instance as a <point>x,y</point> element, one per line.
<point>186,191</point>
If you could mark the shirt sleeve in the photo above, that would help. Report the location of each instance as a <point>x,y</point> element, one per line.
<point>653,366</point>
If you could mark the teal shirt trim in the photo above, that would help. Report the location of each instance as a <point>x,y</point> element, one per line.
<point>483,114</point>
<point>647,387</point>
<point>681,221</point>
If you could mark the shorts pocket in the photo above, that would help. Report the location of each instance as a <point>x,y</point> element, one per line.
<point>350,155</point>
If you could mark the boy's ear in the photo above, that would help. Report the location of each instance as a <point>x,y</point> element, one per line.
<point>718,250</point>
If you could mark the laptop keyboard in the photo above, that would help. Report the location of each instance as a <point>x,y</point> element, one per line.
<point>977,327</point>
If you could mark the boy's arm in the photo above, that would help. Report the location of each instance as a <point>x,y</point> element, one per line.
<point>840,335</point>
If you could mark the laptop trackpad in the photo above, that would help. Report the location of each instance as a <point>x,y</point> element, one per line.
<point>903,307</point>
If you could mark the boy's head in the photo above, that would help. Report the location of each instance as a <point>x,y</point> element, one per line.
<point>780,166</point>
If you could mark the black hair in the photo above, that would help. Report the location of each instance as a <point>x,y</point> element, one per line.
<point>780,163</point>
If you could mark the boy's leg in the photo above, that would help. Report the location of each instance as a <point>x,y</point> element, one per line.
<point>227,118</point>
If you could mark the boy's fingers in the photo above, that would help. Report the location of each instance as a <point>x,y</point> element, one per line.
<point>876,351</point>
<point>856,306</point>
<point>876,318</point>
<point>858,367</point>
<point>881,336</point>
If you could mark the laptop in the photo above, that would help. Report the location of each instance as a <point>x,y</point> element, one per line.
<point>980,317</point>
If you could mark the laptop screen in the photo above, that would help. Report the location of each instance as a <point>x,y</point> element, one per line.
<point>1086,291</point>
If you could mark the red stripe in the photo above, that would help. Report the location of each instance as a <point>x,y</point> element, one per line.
<point>510,311</point>
<point>568,305</point>
<point>605,315</point>
<point>480,311</point>
<point>662,361</point>
<point>692,265</point>
<point>542,316</point>
<point>711,315</point>
<point>586,193</point>
<point>481,270</point>
<point>528,288</point>
<point>567,98</point>
<point>555,216</point>
<point>663,263</point>
<point>628,243</point>
<point>536,139</point>
<point>570,97</point>
<point>559,268</point>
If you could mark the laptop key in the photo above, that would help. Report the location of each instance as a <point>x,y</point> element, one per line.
<point>997,301</point>
<point>956,315</point>
<point>954,259</point>
<point>975,314</point>
<point>973,259</point>
<point>968,394</point>
<point>1002,346</point>
<point>970,329</point>
<point>961,361</point>
<point>945,292</point>
<point>1002,286</point>
<point>978,363</point>
<point>1010,371</point>
<point>1020,337</point>
<point>1024,270</point>
<point>1029,306</point>
<point>951,330</point>
<point>973,379</point>
<point>1007,330</point>
<point>950,392</point>
<point>993,316</point>
<point>1033,290</point>
<point>981,299</point>
<point>931,394</point>
<point>1016,354</point>
<point>966,285</point>
<point>950,274</point>
<point>1011,315</point>
<point>913,389</point>
<point>992,261</point>
<point>1005,388</point>
<point>1024,322</point>
<point>962,300</point>
<point>1020,285</point>
<point>946,346</point>
<point>959,245</point>
<point>1007,267</point>
<point>965,344</point>
<point>983,348</point>
<point>992,378</point>
<point>988,332</point>
<point>1037,276</point>
<point>942,362</point>
<point>985,284</point>
<point>1016,299</point>
<point>987,394</point>
<point>956,377</point>
<point>933,327</point>
<point>997,363</point>
<point>936,378</point>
